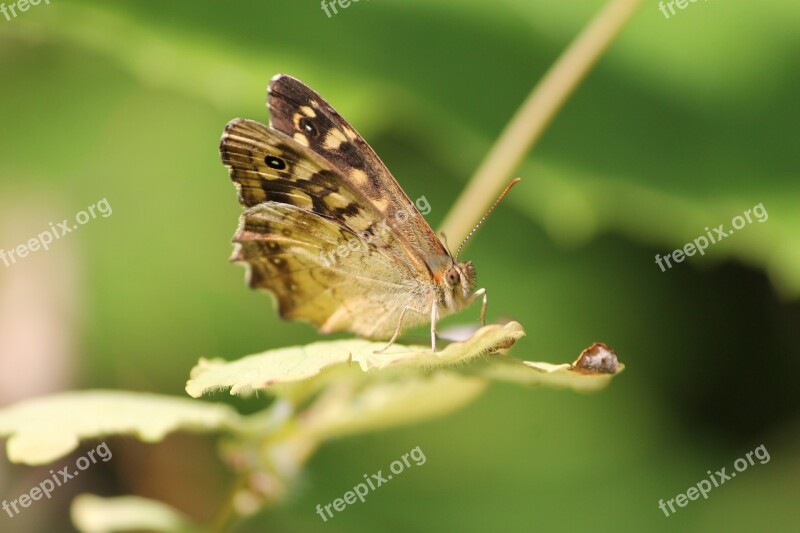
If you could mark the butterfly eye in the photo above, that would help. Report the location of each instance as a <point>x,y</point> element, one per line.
<point>307,127</point>
<point>452,277</point>
<point>275,162</point>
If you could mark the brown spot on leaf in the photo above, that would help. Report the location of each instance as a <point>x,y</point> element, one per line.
<point>598,358</point>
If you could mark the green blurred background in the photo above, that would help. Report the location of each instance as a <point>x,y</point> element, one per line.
<point>685,123</point>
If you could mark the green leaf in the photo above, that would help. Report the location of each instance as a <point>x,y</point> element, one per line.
<point>93,514</point>
<point>298,363</point>
<point>44,429</point>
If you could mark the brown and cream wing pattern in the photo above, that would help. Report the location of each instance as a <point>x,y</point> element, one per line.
<point>281,246</point>
<point>299,208</point>
<point>299,112</point>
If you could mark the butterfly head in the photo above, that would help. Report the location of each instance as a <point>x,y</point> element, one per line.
<point>459,278</point>
<point>459,281</point>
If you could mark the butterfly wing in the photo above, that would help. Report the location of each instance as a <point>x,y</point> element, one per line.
<point>281,244</point>
<point>298,111</point>
<point>301,212</point>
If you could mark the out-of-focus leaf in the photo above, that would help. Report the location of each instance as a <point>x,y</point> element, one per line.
<point>348,407</point>
<point>43,429</point>
<point>93,514</point>
<point>575,206</point>
<point>386,404</point>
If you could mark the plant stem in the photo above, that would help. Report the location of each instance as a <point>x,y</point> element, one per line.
<point>533,117</point>
<point>226,516</point>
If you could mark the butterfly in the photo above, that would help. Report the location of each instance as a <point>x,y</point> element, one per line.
<point>312,187</point>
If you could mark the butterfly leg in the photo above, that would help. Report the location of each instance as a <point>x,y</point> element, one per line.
<point>481,292</point>
<point>399,326</point>
<point>434,318</point>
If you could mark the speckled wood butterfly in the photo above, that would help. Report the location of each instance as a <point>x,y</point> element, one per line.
<point>310,183</point>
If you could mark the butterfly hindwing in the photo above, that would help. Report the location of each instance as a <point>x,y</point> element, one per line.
<point>285,247</point>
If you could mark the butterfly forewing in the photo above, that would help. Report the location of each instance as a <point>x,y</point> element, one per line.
<point>281,245</point>
<point>298,111</point>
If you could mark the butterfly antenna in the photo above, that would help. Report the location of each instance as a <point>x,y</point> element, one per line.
<point>489,212</point>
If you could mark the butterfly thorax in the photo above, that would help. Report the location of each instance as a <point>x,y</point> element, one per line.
<point>455,285</point>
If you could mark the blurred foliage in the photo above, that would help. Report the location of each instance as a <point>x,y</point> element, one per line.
<point>685,123</point>
<point>42,430</point>
<point>127,513</point>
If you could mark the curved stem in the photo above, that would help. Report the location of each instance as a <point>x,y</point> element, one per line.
<point>533,117</point>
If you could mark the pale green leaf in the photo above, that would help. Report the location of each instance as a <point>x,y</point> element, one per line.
<point>43,429</point>
<point>345,410</point>
<point>298,363</point>
<point>93,514</point>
